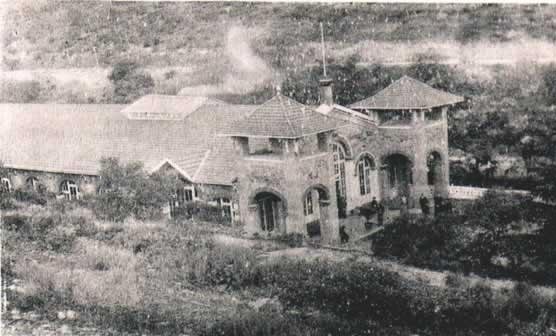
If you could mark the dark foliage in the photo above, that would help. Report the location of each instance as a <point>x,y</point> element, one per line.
<point>130,82</point>
<point>127,190</point>
<point>355,291</point>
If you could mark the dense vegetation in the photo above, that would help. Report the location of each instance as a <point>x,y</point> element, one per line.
<point>174,277</point>
<point>500,235</point>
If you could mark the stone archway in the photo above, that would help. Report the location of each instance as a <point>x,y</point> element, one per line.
<point>316,210</point>
<point>271,210</point>
<point>398,178</point>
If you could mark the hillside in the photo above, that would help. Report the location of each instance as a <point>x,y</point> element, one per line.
<point>74,34</point>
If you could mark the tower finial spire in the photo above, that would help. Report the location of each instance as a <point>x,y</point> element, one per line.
<point>323,54</point>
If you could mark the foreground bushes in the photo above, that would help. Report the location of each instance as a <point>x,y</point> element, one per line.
<point>356,290</point>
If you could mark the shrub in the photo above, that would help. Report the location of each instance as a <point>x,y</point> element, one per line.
<point>30,196</point>
<point>525,303</point>
<point>247,322</point>
<point>204,211</point>
<point>74,279</point>
<point>361,291</point>
<point>184,254</point>
<point>292,239</point>
<point>127,190</point>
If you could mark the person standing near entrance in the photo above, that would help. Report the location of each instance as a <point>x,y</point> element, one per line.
<point>374,205</point>
<point>404,208</point>
<point>344,237</point>
<point>424,202</point>
<point>380,213</point>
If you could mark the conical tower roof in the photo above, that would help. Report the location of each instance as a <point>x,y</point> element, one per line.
<point>407,94</point>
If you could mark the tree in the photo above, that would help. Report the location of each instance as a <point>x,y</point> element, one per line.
<point>492,216</point>
<point>549,85</point>
<point>351,82</point>
<point>547,187</point>
<point>127,190</point>
<point>130,82</point>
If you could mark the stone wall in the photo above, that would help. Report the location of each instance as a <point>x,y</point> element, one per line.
<point>87,184</point>
<point>288,177</point>
<point>415,141</point>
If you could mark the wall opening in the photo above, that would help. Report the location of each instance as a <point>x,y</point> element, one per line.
<point>70,190</point>
<point>271,211</point>
<point>399,177</point>
<point>316,200</point>
<point>339,159</point>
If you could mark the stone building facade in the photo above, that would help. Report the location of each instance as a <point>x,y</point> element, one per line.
<point>274,168</point>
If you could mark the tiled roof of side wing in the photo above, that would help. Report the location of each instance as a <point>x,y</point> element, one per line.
<point>282,117</point>
<point>407,93</point>
<point>73,138</point>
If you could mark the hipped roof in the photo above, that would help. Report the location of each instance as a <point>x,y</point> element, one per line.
<point>282,117</point>
<point>407,94</point>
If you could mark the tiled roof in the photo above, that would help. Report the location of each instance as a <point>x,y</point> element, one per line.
<point>73,138</point>
<point>407,93</point>
<point>282,117</point>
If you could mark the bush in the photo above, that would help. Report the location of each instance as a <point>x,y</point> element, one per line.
<point>206,212</point>
<point>29,196</point>
<point>183,254</point>
<point>292,239</point>
<point>127,190</point>
<point>360,291</point>
<point>526,304</point>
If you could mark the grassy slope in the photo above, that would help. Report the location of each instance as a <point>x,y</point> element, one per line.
<point>56,34</point>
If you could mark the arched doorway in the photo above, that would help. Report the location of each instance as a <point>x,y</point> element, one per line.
<point>399,177</point>
<point>434,171</point>
<point>271,211</point>
<point>316,200</point>
<point>339,159</point>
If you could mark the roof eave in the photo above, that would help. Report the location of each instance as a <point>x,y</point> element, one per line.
<point>405,107</point>
<point>182,172</point>
<point>275,136</point>
<point>51,170</point>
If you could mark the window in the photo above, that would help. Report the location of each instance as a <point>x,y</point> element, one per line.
<point>6,184</point>
<point>365,166</point>
<point>186,194</point>
<point>308,204</point>
<point>70,190</point>
<point>339,156</point>
<point>226,205</point>
<point>32,183</point>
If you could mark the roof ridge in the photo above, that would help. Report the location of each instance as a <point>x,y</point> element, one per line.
<point>286,113</point>
<point>205,157</point>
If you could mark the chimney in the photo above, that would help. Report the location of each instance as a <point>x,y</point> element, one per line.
<point>326,91</point>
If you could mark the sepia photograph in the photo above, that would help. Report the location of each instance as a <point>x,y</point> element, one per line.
<point>277,168</point>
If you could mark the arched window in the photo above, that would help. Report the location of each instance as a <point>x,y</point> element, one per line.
<point>32,183</point>
<point>70,190</point>
<point>339,156</point>
<point>364,167</point>
<point>308,203</point>
<point>6,185</point>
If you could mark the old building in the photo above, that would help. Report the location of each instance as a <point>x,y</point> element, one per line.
<point>278,167</point>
